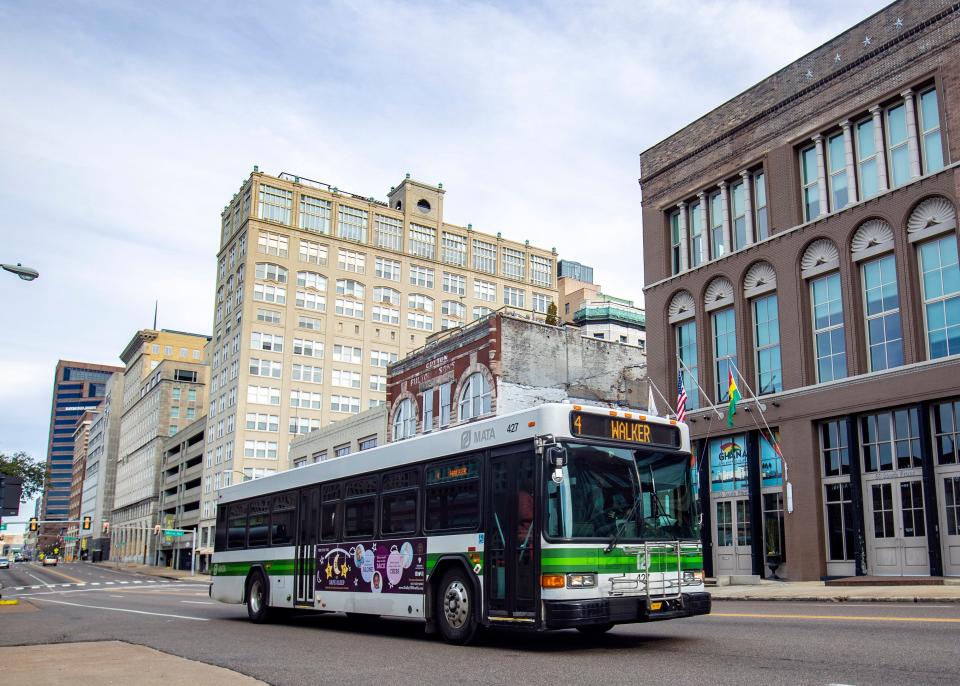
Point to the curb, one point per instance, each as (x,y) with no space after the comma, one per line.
(838,599)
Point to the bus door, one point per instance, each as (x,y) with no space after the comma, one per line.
(306,556)
(512,540)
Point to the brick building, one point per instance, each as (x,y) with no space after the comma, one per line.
(803,237)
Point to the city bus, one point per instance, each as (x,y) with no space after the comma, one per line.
(560,516)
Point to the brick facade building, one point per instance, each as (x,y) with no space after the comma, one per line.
(803,238)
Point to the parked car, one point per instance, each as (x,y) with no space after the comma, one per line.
(18,557)
(50,561)
(4,563)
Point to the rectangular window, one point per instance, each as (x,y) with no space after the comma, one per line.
(454,283)
(897,154)
(738,201)
(767,341)
(541,302)
(882,309)
(840,522)
(867,162)
(445,405)
(761,224)
(389,233)
(308,373)
(830,347)
(271,243)
(385,315)
(454,249)
(351,261)
(349,308)
(484,256)
(514,262)
(541,270)
(312,252)
(696,235)
(268,316)
(175,412)
(314,214)
(345,378)
(275,204)
(890,440)
(378,382)
(946,433)
(302,425)
(237,525)
(262,422)
(341,450)
(306,399)
(717,248)
(809,179)
(352,223)
(343,403)
(283,519)
(387,269)
(484,290)
(452,495)
(359,517)
(833,441)
(837,172)
(263,395)
(307,347)
(675,242)
(311,323)
(423,241)
(421,276)
(269,368)
(687,354)
(940,277)
(264,450)
(367,443)
(382,358)
(269,294)
(515,297)
(479,312)
(266,341)
(932,149)
(724,351)
(424,322)
(426,403)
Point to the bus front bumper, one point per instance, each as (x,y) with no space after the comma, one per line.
(567,614)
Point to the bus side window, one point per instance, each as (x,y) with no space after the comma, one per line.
(398,502)
(258,523)
(220,540)
(360,507)
(236,525)
(283,518)
(330,512)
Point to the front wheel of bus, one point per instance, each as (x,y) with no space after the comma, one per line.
(455,612)
(258,601)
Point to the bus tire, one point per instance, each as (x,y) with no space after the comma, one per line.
(595,629)
(455,613)
(258,598)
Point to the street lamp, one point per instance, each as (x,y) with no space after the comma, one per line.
(25,273)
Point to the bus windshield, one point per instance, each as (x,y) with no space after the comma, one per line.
(640,494)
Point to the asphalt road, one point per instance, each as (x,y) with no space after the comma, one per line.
(741,643)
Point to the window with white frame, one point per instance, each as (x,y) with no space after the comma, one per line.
(675,244)
(386,295)
(426,403)
(418,301)
(352,223)
(898,156)
(270,368)
(454,249)
(388,269)
(514,263)
(761,223)
(404,420)
(310,323)
(480,311)
(314,214)
(940,280)
(264,450)
(309,300)
(475,398)
(303,425)
(367,443)
(541,302)
(830,348)
(930,144)
(349,287)
(697,236)
(385,315)
(421,276)
(453,308)
(810,183)
(307,347)
(738,206)
(766,323)
(515,297)
(868,162)
(423,241)
(269,294)
(311,280)
(382,358)
(345,378)
(882,311)
(447,323)
(541,270)
(349,308)
(307,372)
(351,260)
(484,256)
(251,473)
(306,399)
(347,353)
(454,283)
(715,205)
(266,341)
(270,272)
(423,322)
(275,204)
(686,337)
(259,421)
(724,352)
(344,403)
(389,233)
(263,395)
(444,393)
(837,181)
(378,382)
(271,243)
(484,290)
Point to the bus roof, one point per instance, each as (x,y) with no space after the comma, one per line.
(523,425)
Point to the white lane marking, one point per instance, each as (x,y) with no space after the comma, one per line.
(94,583)
(19,588)
(196,602)
(138,582)
(124,582)
(34,587)
(118,596)
(108,583)
(151,582)
(123,609)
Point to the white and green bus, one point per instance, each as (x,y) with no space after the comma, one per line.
(560,516)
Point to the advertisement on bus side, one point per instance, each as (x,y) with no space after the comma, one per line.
(397,566)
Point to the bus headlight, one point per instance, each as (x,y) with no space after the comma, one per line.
(692,578)
(581,580)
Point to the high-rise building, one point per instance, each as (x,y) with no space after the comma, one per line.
(101,472)
(164,390)
(77,388)
(802,240)
(81,440)
(318,290)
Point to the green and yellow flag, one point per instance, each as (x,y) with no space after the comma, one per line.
(734,393)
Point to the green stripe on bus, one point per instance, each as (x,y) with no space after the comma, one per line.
(273,568)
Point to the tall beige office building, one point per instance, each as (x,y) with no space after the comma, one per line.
(318,290)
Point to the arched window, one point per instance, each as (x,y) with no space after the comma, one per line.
(312,280)
(350,287)
(933,226)
(475,397)
(820,265)
(270,272)
(404,420)
(719,302)
(681,315)
(760,285)
(872,247)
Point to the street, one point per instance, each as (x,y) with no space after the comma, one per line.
(742,642)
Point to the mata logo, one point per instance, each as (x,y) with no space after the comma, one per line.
(730,451)
(478,436)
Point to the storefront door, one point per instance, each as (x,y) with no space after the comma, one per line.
(896,528)
(731,534)
(948,487)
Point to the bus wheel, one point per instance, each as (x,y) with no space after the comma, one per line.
(595,629)
(258,598)
(455,614)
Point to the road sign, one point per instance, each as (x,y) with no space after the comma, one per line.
(3,527)
(70,538)
(173,532)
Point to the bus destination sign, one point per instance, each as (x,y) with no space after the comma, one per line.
(624,430)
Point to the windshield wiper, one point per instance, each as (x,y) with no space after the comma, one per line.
(627,518)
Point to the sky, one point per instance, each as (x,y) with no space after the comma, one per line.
(125,127)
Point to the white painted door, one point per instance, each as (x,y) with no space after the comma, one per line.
(948,485)
(896,528)
(731,535)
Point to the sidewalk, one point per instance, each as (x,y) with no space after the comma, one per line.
(817,591)
(161,572)
(110,662)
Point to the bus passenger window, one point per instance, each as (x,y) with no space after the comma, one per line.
(237,525)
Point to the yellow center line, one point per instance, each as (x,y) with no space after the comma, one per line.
(855,618)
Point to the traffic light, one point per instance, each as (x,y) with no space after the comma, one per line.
(86,523)
(34,525)
(156,530)
(106,528)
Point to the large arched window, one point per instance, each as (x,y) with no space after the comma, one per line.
(270,272)
(933,227)
(820,266)
(872,248)
(681,316)
(718,301)
(404,420)
(475,397)
(760,286)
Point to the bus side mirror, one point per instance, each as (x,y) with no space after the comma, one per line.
(557,456)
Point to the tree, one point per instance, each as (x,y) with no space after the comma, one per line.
(551,318)
(22,465)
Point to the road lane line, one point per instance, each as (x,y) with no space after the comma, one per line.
(855,618)
(94,583)
(122,609)
(108,583)
(197,602)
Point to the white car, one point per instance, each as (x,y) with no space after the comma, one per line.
(4,563)
(50,561)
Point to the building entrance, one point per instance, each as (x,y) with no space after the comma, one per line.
(948,492)
(734,554)
(896,527)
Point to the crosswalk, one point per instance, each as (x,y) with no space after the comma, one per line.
(90,583)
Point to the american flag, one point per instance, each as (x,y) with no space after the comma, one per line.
(681,398)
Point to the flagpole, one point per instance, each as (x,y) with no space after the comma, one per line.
(699,387)
(666,402)
(756,400)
